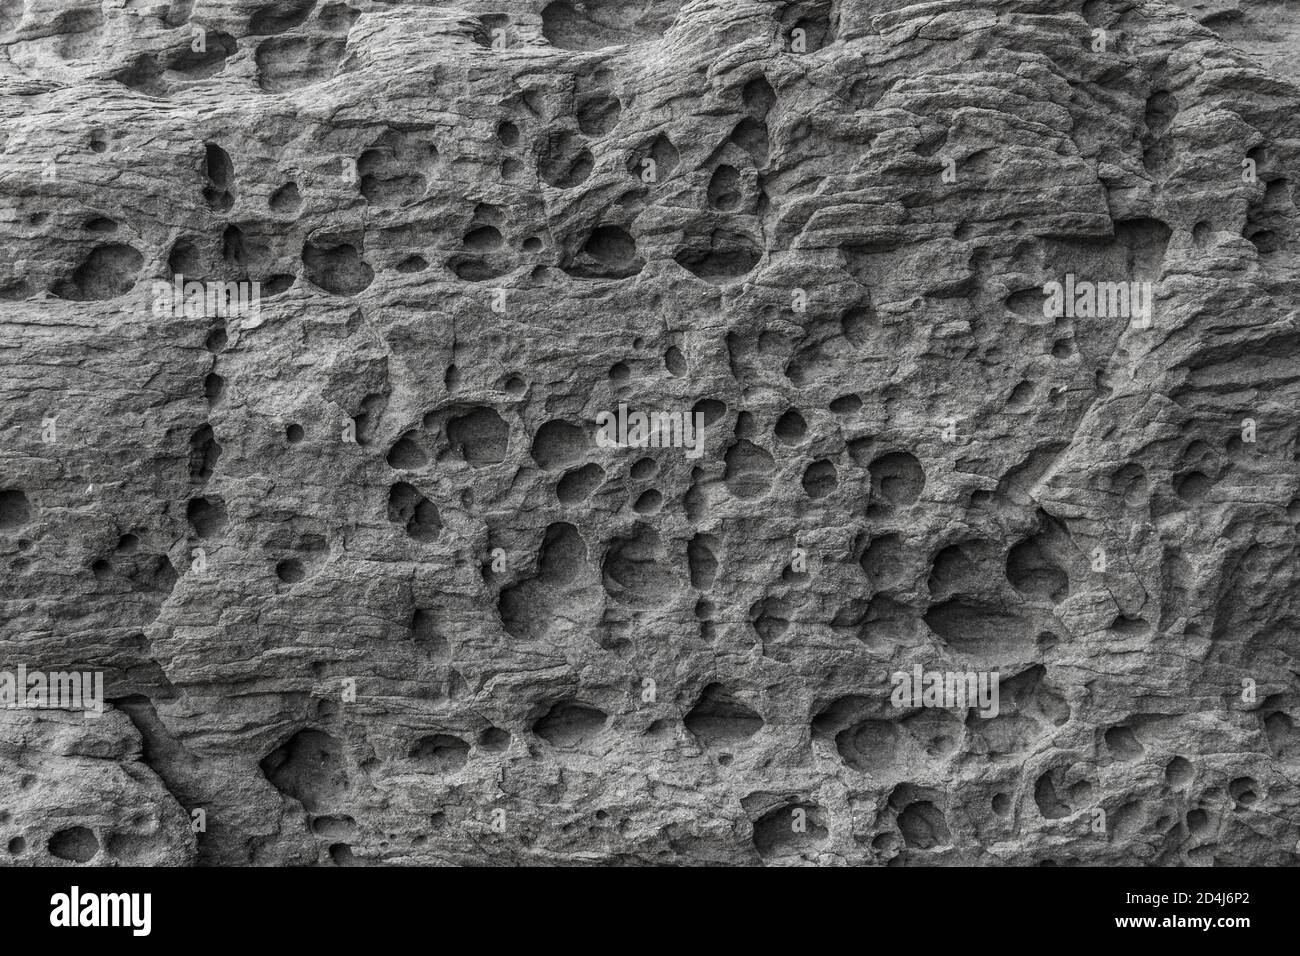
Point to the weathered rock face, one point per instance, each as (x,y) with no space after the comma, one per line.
(365,586)
(1267,30)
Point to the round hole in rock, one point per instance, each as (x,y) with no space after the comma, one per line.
(1242,792)
(206,516)
(1020,396)
(334,827)
(277,284)
(619,372)
(507,133)
(214,386)
(570,724)
(897,478)
(510,168)
(336,265)
(560,443)
(675,361)
(745,427)
(216,340)
(515,385)
(710,408)
(286,199)
(407,453)
(341,855)
(293,434)
(645,468)
(480,437)
(611,244)
(724,188)
(791,427)
(650,502)
(128,544)
(579,484)
(1192,486)
(415,513)
(885,843)
(564,159)
(846,405)
(1032,571)
(107,272)
(820,479)
(17,846)
(77,844)
(702,559)
(442,753)
(1178,772)
(101,569)
(290,571)
(532,244)
(483,238)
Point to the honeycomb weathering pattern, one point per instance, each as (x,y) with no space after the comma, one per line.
(364,587)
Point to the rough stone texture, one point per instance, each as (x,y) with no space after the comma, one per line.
(1267,29)
(76,791)
(384,173)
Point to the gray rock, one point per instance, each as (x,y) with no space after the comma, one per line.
(365,588)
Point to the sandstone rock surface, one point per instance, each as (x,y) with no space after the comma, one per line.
(364,587)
